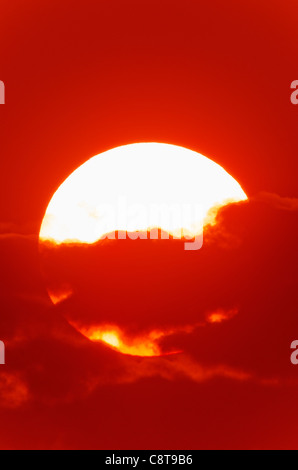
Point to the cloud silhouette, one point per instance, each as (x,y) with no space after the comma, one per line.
(279,202)
(231,309)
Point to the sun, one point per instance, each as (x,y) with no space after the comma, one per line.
(136,191)
(135,188)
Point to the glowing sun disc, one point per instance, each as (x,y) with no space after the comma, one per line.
(135,178)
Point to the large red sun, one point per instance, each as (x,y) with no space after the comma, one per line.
(132,192)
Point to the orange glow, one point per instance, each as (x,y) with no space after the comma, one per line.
(144,346)
(221,315)
(113,337)
(58,297)
(109,338)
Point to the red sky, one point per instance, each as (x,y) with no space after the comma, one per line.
(211,76)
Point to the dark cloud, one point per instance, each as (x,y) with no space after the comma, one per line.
(13,391)
(231,308)
(279,202)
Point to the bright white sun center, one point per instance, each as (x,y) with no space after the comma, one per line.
(138,187)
